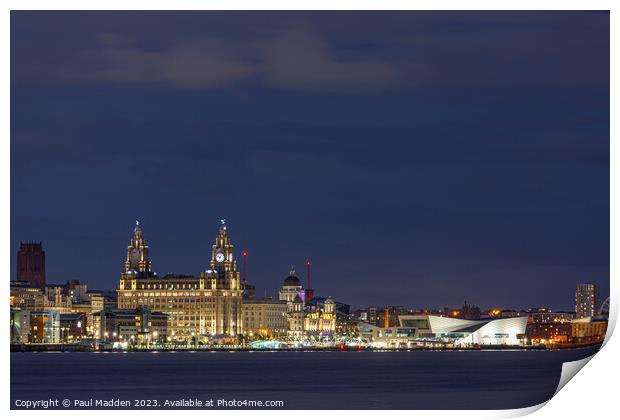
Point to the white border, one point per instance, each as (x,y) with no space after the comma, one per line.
(589,395)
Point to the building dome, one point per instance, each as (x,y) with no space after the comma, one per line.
(292,279)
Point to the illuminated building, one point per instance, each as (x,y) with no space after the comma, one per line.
(26,297)
(196,306)
(588,330)
(547,333)
(551,317)
(72,327)
(265,317)
(586,298)
(44,327)
(429,330)
(389,314)
(293,293)
(31,264)
(316,317)
(20,326)
(55,299)
(295,317)
(321,320)
(77,291)
(372,315)
(292,289)
(134,326)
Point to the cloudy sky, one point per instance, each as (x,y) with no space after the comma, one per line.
(418,158)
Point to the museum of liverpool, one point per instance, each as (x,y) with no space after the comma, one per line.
(431,330)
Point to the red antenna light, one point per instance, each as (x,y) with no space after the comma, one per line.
(308,267)
(244,254)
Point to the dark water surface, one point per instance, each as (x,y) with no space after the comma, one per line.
(302,380)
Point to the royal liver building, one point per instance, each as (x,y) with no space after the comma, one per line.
(196,306)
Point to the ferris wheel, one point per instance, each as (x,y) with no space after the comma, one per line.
(604,307)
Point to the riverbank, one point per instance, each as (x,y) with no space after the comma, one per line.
(30,348)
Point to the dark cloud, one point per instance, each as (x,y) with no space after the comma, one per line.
(296,58)
(444,156)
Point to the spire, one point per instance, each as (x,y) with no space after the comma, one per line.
(292,271)
(137,253)
(223,224)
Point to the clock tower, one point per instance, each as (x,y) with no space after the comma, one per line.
(137,261)
(223,272)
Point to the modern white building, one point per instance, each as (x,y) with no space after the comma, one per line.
(429,330)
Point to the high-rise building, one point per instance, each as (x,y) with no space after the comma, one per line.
(197,306)
(372,315)
(31,264)
(586,299)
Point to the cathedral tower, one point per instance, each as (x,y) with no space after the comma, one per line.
(31,264)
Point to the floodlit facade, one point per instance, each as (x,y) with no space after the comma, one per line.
(265,317)
(588,329)
(302,319)
(424,330)
(196,306)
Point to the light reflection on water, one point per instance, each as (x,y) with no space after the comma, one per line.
(405,380)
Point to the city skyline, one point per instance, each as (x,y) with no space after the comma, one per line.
(242,254)
(422,163)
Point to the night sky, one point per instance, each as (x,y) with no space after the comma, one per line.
(418,158)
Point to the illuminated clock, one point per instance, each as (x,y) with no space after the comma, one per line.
(219,257)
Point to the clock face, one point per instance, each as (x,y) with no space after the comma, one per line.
(219,257)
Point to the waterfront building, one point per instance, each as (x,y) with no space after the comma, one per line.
(44,327)
(292,289)
(586,299)
(588,330)
(431,330)
(295,317)
(20,326)
(31,264)
(266,318)
(196,306)
(321,320)
(73,327)
(32,326)
(547,333)
(134,326)
(316,316)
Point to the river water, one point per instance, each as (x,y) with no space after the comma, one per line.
(301,380)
